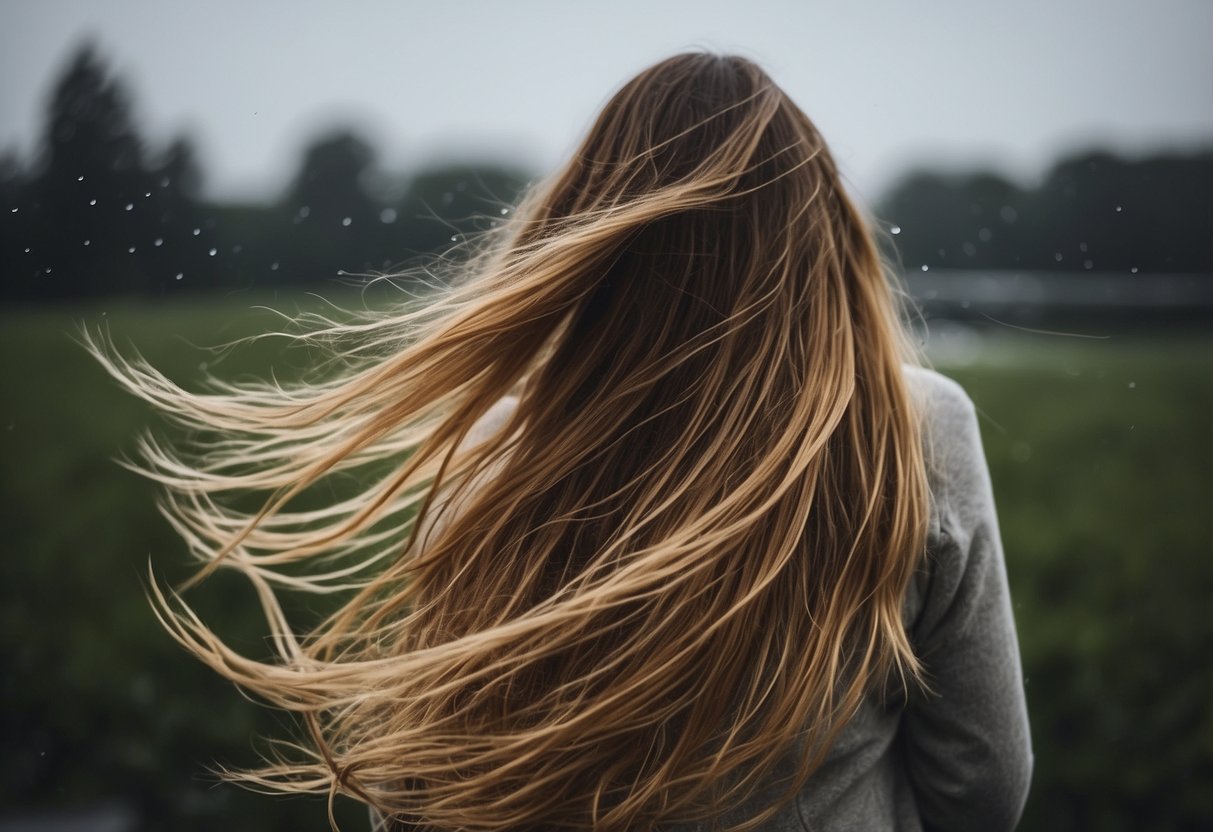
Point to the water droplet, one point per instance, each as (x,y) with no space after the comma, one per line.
(213,252)
(1082,246)
(1132,385)
(92,202)
(969,248)
(896,229)
(27,249)
(985,235)
(146,195)
(925,267)
(130,250)
(1088,264)
(88,242)
(1119,208)
(387,215)
(1057,256)
(197,231)
(14,211)
(159,241)
(79,178)
(48,269)
(1133,270)
(180,275)
(346,221)
(130,206)
(504,211)
(236,249)
(1008,214)
(164,182)
(448,198)
(304,211)
(454,237)
(274,266)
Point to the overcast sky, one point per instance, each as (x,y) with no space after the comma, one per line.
(889,82)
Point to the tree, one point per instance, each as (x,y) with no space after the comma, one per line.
(85,205)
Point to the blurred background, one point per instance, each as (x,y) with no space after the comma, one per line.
(1042,171)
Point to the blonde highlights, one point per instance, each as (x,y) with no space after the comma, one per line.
(679,554)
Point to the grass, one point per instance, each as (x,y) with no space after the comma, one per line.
(1100,449)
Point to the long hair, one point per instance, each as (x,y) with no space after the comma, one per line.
(679,554)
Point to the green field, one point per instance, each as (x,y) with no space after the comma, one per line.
(1101,452)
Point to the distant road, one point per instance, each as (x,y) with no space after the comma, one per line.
(1026,296)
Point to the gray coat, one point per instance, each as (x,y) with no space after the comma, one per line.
(959,758)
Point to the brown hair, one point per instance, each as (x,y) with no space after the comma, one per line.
(682,554)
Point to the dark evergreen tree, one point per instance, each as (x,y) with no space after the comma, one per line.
(87,200)
(328,218)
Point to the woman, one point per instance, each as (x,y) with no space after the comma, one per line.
(655,523)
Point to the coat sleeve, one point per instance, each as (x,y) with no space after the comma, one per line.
(966,740)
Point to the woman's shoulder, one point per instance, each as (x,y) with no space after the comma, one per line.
(942,401)
(951,436)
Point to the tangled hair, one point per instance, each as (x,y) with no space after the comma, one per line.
(679,554)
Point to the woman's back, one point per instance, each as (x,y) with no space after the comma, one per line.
(955,757)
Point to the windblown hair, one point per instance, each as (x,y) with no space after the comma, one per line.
(678,558)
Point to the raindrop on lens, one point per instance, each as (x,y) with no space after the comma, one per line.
(274,266)
(79,178)
(454,237)
(504,211)
(14,211)
(159,241)
(180,275)
(130,206)
(213,252)
(1132,384)
(197,231)
(1119,209)
(346,221)
(1057,256)
(1087,264)
(92,202)
(1133,270)
(895,229)
(387,215)
(149,193)
(925,267)
(87,242)
(130,250)
(27,249)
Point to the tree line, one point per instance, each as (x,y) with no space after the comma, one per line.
(98,213)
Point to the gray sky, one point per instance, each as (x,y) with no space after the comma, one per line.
(889,82)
